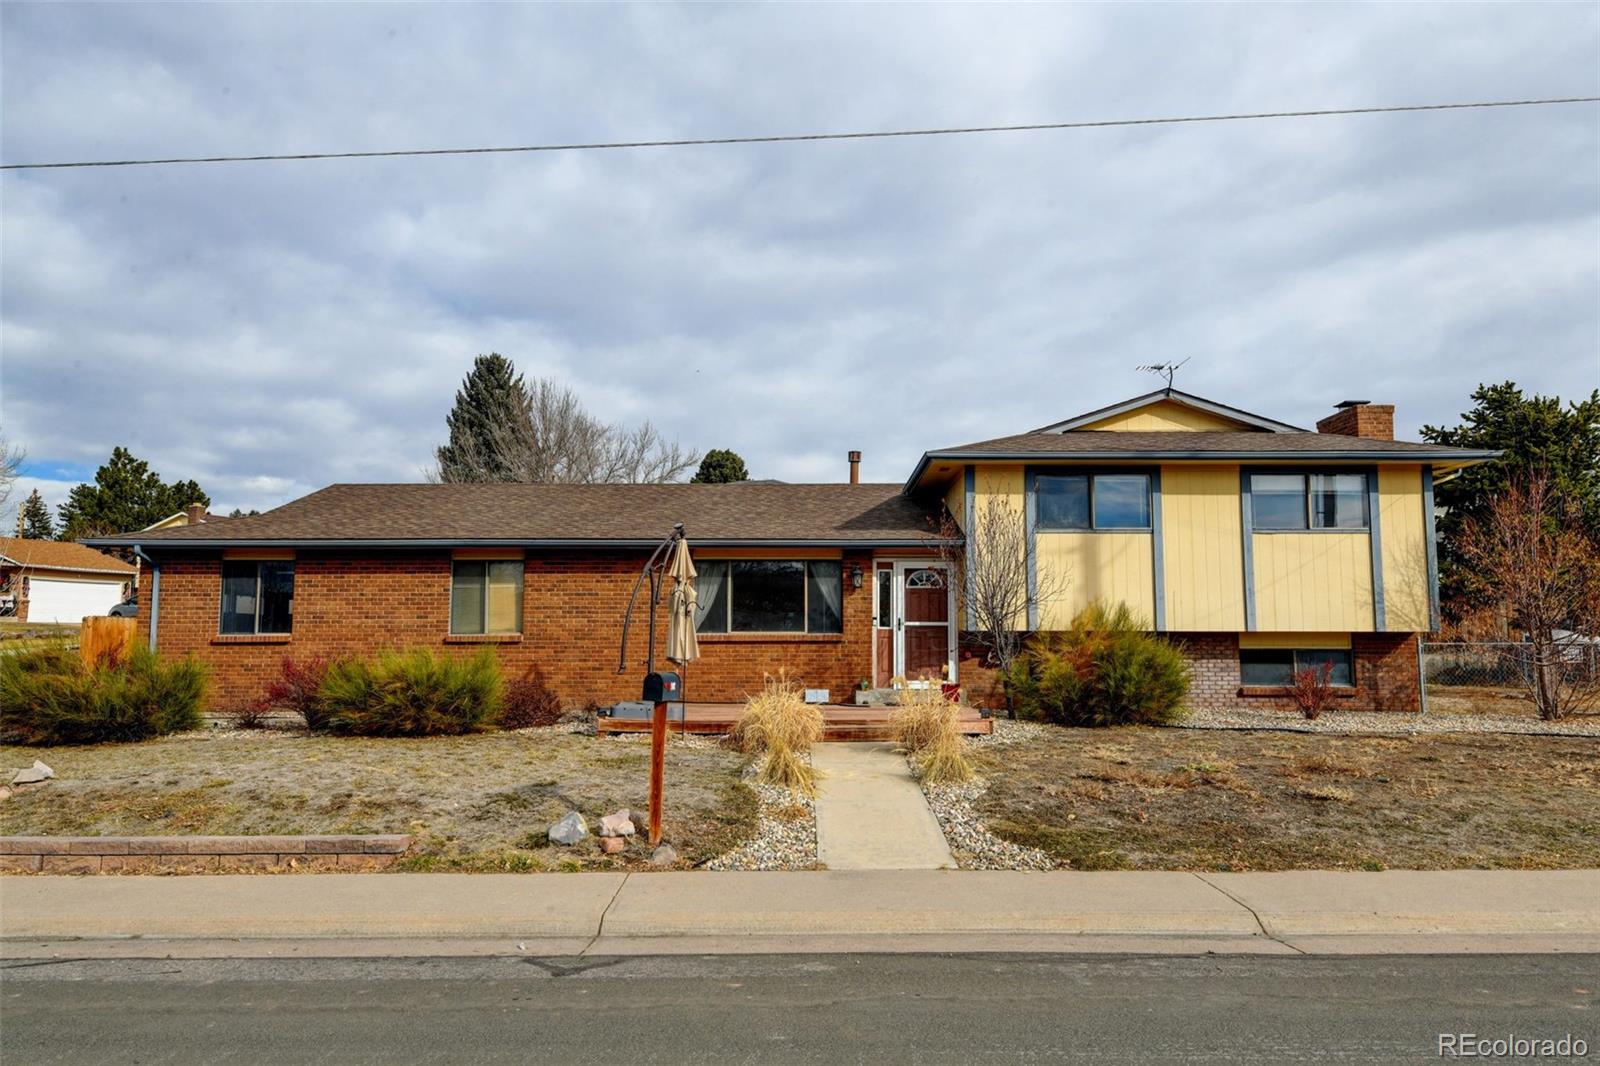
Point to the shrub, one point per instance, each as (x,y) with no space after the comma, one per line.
(47,696)
(779,726)
(1312,690)
(410,694)
(928,725)
(296,690)
(1107,669)
(530,701)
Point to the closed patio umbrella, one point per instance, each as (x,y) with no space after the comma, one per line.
(682,644)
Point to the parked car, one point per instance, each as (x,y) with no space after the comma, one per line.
(128,608)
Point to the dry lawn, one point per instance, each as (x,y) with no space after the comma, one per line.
(479,802)
(1167,799)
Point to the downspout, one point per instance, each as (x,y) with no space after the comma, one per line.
(155,592)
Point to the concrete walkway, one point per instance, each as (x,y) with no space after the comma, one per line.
(871,814)
(327,915)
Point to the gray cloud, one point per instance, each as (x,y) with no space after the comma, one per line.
(270,328)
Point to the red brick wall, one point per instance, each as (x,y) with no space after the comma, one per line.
(1385,664)
(572,623)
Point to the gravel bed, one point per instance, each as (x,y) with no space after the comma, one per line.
(782,841)
(1373,723)
(974,847)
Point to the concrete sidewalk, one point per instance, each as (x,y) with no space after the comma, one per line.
(824,911)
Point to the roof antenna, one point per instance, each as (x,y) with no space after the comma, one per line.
(1166,370)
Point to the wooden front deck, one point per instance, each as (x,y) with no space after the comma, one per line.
(839,722)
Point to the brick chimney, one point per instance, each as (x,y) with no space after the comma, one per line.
(194,514)
(1358,418)
(855,468)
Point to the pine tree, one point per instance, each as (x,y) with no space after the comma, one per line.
(36,521)
(719,467)
(1539,436)
(126,496)
(484,416)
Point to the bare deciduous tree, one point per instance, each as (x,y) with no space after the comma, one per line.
(549,438)
(10,468)
(996,595)
(1530,559)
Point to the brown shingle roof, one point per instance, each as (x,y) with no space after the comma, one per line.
(1092,444)
(1165,441)
(573,514)
(60,555)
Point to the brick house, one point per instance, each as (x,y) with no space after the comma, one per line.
(1258,546)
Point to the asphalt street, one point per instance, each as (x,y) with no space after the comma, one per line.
(783,1009)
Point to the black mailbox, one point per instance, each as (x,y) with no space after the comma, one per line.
(662,688)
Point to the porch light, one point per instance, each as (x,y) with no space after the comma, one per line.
(855,576)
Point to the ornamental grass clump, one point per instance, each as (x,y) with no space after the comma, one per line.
(412,693)
(1107,669)
(48,696)
(779,727)
(928,726)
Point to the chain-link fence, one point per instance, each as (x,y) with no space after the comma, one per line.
(1498,677)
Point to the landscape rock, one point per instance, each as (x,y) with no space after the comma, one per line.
(664,855)
(617,825)
(612,845)
(570,830)
(37,772)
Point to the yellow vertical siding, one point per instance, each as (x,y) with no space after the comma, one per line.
(955,501)
(999,479)
(1405,548)
(1095,566)
(1003,481)
(1313,581)
(1166,415)
(1202,548)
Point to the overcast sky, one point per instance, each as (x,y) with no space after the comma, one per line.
(268,328)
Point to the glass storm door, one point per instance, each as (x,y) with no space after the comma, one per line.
(924,643)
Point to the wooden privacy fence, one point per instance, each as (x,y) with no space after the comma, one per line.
(103,637)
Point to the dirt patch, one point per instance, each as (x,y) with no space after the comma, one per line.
(473,803)
(1161,799)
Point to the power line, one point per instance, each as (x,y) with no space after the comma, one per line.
(785,138)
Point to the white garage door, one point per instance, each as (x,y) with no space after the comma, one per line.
(53,599)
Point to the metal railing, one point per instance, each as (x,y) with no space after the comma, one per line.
(1483,676)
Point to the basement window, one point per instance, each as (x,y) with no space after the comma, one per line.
(257,597)
(1276,667)
(485,596)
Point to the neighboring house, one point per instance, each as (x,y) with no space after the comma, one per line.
(58,581)
(1258,546)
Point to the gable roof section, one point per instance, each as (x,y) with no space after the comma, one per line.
(1244,419)
(569,516)
(60,555)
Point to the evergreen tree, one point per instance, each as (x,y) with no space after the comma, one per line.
(719,467)
(36,521)
(482,422)
(126,496)
(1537,434)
